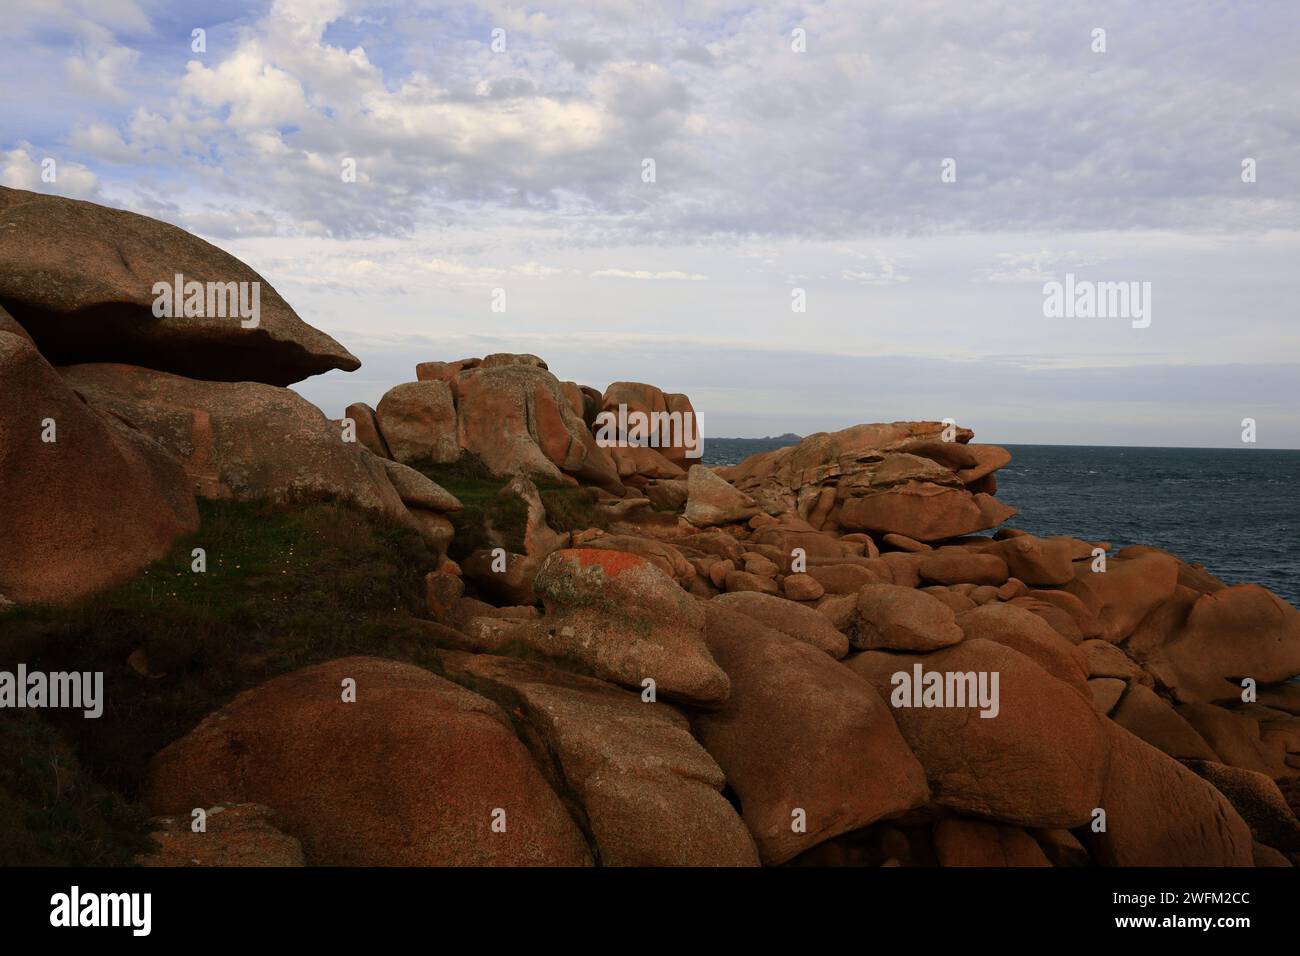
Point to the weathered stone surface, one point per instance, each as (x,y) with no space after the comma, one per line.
(418,490)
(80,278)
(1039,762)
(1236,632)
(515,419)
(1159,813)
(1123,594)
(960,842)
(410,773)
(962,566)
(889,617)
(646,790)
(679,441)
(1147,715)
(1259,801)
(418,421)
(1235,737)
(626,621)
(921,510)
(1039,562)
(1106,692)
(1103,659)
(367,428)
(794,620)
(802,733)
(1027,633)
(802,587)
(218,431)
(842,578)
(240,835)
(711,501)
(661,554)
(87,510)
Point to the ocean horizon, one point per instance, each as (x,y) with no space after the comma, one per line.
(1234,511)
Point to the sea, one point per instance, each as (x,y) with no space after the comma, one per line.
(1236,511)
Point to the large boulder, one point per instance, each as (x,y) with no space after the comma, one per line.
(959,842)
(889,617)
(1039,562)
(242,835)
(1037,761)
(962,566)
(417,771)
(808,747)
(1029,634)
(711,501)
(828,455)
(627,622)
(671,418)
(921,510)
(876,478)
(1128,590)
(1233,633)
(363,420)
(647,792)
(1259,801)
(80,278)
(1236,737)
(88,509)
(1149,716)
(666,557)
(802,623)
(219,432)
(418,421)
(1159,813)
(515,419)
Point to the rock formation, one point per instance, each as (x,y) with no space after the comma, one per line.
(812,657)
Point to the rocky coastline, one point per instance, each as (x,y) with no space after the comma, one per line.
(838,653)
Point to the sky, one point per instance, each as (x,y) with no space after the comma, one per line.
(920,170)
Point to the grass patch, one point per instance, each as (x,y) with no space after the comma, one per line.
(282,589)
(51,811)
(490,519)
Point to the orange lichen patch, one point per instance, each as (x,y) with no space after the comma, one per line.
(612,563)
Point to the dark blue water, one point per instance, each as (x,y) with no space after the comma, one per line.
(1236,511)
(732,451)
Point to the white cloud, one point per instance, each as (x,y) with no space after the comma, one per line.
(21,168)
(98,66)
(645,274)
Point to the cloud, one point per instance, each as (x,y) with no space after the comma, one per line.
(644,274)
(98,66)
(750,138)
(21,168)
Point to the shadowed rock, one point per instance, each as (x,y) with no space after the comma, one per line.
(808,746)
(80,278)
(414,772)
(647,791)
(87,510)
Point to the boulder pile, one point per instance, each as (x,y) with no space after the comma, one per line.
(813,657)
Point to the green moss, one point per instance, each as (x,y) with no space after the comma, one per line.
(282,589)
(51,810)
(570,508)
(490,519)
